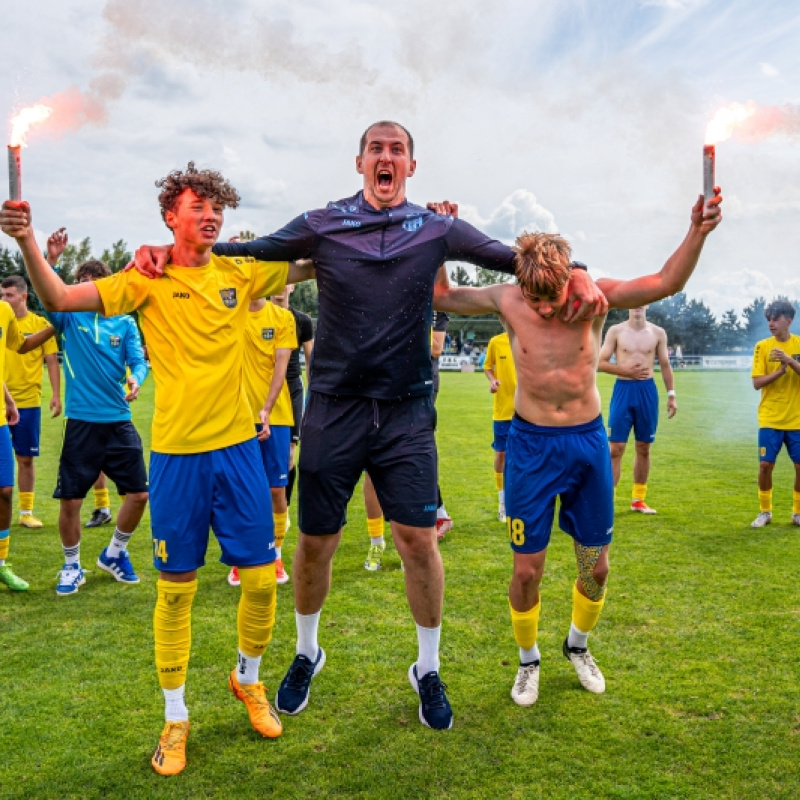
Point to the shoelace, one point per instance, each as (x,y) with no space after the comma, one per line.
(255,691)
(589,663)
(523,675)
(432,692)
(174,736)
(300,673)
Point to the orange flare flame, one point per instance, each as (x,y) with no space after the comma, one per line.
(726,119)
(24,119)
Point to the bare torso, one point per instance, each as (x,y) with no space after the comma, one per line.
(636,347)
(556,364)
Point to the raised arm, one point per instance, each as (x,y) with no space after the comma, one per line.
(55,295)
(678,268)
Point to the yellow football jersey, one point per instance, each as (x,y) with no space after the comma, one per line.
(779,407)
(23,374)
(500,361)
(194,321)
(13,338)
(269,329)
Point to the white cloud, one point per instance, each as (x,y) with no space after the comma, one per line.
(518,212)
(768,70)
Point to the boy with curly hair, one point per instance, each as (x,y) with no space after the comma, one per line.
(205,468)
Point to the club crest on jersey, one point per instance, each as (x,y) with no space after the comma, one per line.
(412,224)
(115,341)
(228,297)
(268,333)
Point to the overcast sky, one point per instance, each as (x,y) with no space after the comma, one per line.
(582,117)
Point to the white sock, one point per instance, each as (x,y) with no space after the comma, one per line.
(377,540)
(174,707)
(105,509)
(530,655)
(576,638)
(441,512)
(247,670)
(72,554)
(428,644)
(307,627)
(25,513)
(119,542)
(278,552)
(501,495)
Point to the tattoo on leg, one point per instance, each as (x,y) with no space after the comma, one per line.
(587,558)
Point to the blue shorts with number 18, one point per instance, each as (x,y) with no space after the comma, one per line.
(572,463)
(225,490)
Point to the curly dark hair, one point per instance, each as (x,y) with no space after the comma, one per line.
(206,183)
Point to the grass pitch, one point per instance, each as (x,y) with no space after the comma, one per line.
(697,642)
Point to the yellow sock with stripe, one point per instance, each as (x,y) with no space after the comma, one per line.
(255,618)
(375,529)
(5,543)
(639,491)
(279,521)
(498,481)
(102,498)
(795,502)
(526,631)
(172,629)
(26,502)
(585,613)
(765,500)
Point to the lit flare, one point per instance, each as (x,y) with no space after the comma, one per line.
(24,119)
(726,119)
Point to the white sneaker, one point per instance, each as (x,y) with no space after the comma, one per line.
(501,511)
(525,691)
(588,672)
(796,519)
(764,518)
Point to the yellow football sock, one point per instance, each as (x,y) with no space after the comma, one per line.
(498,481)
(279,521)
(525,625)
(375,527)
(639,491)
(256,616)
(26,502)
(765,500)
(795,502)
(585,612)
(5,543)
(172,630)
(101,498)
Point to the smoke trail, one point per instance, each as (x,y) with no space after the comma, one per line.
(751,122)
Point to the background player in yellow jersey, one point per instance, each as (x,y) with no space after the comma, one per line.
(776,372)
(11,338)
(23,378)
(205,466)
(499,369)
(636,343)
(270,339)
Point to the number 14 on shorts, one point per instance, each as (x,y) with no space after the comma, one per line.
(160,550)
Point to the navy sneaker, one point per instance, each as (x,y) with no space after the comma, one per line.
(99,517)
(120,567)
(434,707)
(292,695)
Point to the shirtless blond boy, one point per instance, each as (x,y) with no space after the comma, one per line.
(634,404)
(557,445)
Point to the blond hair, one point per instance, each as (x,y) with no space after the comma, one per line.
(542,264)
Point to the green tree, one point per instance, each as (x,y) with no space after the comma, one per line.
(460,276)
(117,257)
(755,324)
(305,297)
(73,256)
(730,334)
(489,277)
(700,327)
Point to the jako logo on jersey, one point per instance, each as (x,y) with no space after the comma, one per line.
(268,333)
(351,223)
(413,224)
(115,341)
(180,295)
(228,297)
(430,507)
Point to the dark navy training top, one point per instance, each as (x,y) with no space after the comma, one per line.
(375,274)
